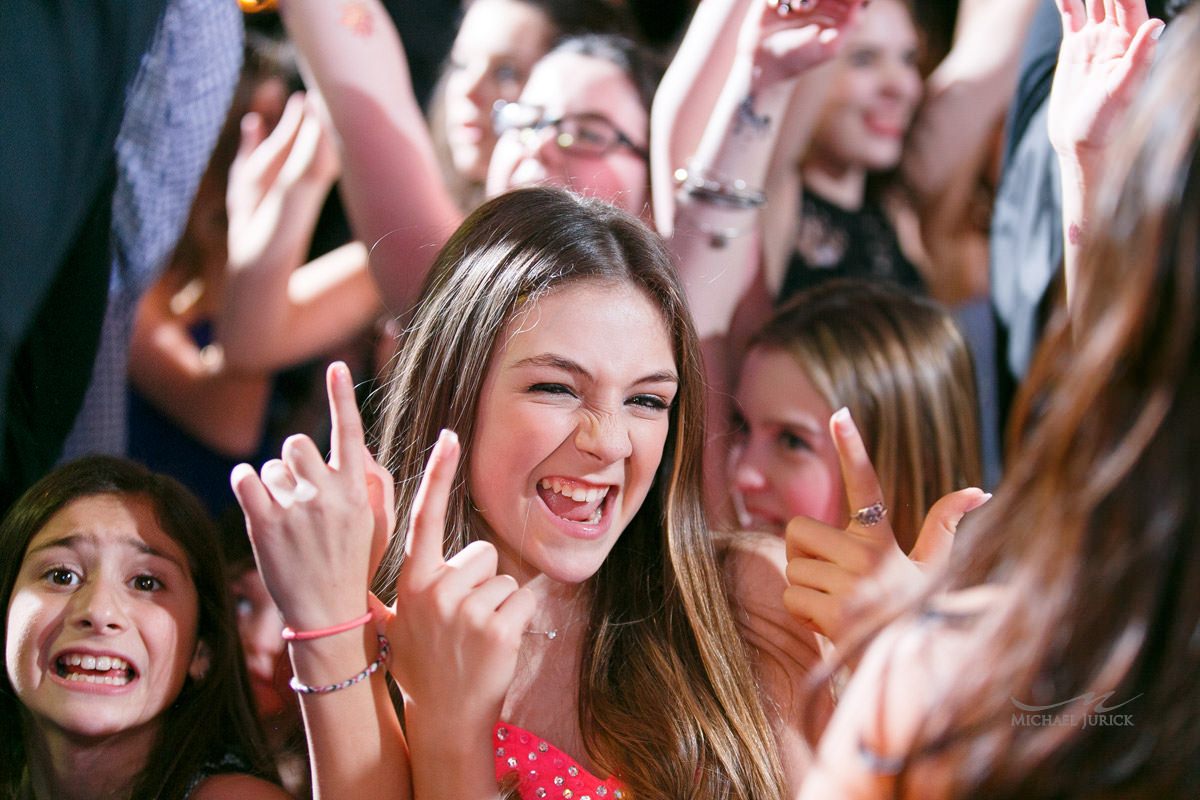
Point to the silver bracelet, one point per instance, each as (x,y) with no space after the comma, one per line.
(701,184)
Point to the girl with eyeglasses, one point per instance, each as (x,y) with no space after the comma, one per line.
(598,86)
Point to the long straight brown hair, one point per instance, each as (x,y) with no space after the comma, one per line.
(668,701)
(1095,534)
(901,366)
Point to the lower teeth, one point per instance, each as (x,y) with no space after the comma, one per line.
(596,515)
(107,680)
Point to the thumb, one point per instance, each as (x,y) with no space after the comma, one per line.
(933,545)
(383,614)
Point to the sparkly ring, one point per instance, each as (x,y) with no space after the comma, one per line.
(869,516)
(784,8)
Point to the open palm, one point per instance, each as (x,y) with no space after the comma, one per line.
(1106,50)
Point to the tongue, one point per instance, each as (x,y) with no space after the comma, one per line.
(567,508)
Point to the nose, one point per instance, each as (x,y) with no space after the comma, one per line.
(98,606)
(604,436)
(262,640)
(902,81)
(748,476)
(475,87)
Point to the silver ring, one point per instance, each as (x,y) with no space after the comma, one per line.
(869,516)
(784,8)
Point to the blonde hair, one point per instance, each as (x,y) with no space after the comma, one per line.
(667,696)
(901,366)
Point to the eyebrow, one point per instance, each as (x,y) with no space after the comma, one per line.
(796,424)
(73,540)
(575,368)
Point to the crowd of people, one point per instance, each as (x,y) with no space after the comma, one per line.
(658,452)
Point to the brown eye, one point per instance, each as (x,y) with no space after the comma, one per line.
(61,576)
(146,583)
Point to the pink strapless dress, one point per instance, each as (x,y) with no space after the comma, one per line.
(544,770)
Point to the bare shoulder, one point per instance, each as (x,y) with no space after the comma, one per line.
(786,655)
(238,786)
(755,567)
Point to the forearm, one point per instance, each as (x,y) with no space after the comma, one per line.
(687,95)
(356,746)
(254,304)
(1080,173)
(452,759)
(225,411)
(393,190)
(716,240)
(968,93)
(321,304)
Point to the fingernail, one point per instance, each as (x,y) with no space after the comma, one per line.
(987,496)
(1157,32)
(843,421)
(447,437)
(341,372)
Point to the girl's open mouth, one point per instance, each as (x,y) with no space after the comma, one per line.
(86,668)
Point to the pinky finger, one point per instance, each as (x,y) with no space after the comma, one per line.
(516,612)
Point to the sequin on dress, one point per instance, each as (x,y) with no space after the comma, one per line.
(544,771)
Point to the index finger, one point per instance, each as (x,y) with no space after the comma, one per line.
(346,439)
(424,546)
(858,474)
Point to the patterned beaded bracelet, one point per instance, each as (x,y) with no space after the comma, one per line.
(385,650)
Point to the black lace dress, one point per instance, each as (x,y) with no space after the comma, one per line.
(835,243)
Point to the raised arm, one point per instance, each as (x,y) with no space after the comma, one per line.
(1106,52)
(275,312)
(222,408)
(954,143)
(968,94)
(761,108)
(318,532)
(397,202)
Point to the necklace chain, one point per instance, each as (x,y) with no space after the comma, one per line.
(551,634)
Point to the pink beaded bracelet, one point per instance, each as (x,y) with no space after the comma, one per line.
(290,635)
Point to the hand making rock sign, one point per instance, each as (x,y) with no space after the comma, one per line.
(319,530)
(467,620)
(827,566)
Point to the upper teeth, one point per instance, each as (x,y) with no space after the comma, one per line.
(580,494)
(101,663)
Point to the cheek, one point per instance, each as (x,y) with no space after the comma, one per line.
(618,181)
(815,490)
(21,643)
(172,632)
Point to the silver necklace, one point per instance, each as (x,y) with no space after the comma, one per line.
(551,634)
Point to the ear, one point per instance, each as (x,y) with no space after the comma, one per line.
(201,660)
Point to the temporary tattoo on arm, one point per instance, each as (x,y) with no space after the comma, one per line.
(1074,233)
(356,17)
(748,119)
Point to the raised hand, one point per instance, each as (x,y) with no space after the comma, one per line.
(297,161)
(318,529)
(1106,52)
(788,38)
(457,624)
(827,565)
